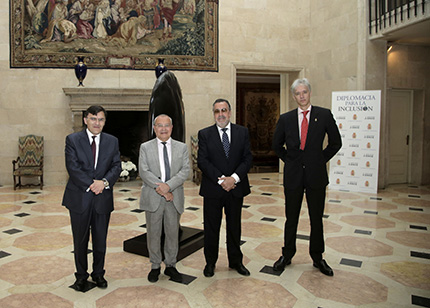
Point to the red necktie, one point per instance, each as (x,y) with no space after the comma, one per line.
(93,148)
(304,130)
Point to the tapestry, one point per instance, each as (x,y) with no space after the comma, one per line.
(258,110)
(114,34)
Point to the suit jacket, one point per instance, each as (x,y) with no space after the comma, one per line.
(213,162)
(80,166)
(149,171)
(307,165)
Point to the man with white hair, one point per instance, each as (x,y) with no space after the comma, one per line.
(163,166)
(298,141)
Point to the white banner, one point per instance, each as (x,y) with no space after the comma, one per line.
(355,166)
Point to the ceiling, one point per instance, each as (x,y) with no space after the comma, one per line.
(414,34)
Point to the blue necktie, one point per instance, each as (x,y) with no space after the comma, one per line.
(225,142)
(166,162)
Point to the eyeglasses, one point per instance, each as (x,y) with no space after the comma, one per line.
(162,125)
(94,119)
(223,110)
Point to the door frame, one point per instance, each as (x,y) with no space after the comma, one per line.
(410,106)
(416,151)
(287,76)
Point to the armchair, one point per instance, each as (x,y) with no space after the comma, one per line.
(197,174)
(29,162)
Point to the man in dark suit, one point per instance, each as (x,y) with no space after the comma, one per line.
(298,141)
(224,157)
(93,163)
(164,165)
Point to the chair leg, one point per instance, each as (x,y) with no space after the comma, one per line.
(14,182)
(41,182)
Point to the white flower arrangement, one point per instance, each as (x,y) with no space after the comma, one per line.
(128,169)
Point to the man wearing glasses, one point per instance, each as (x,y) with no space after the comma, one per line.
(224,157)
(93,164)
(163,166)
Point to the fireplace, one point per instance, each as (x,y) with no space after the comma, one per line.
(131,129)
(127,111)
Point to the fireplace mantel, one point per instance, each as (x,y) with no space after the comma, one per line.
(114,99)
(119,99)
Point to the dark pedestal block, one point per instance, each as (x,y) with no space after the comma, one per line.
(190,241)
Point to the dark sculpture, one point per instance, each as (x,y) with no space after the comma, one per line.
(166,98)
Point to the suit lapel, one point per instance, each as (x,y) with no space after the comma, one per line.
(217,140)
(234,140)
(154,151)
(102,147)
(85,144)
(313,118)
(296,131)
(175,154)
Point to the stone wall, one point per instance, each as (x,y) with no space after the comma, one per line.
(408,67)
(322,40)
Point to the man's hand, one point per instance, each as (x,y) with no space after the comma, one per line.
(228,183)
(162,188)
(97,187)
(168,197)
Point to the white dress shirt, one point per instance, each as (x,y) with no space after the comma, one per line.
(97,140)
(228,132)
(300,115)
(161,156)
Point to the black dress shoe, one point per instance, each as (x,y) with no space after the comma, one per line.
(80,284)
(281,264)
(209,270)
(241,269)
(324,268)
(173,273)
(153,275)
(100,282)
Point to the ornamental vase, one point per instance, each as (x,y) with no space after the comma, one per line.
(80,71)
(160,68)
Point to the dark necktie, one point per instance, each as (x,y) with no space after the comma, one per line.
(166,162)
(93,148)
(304,130)
(225,142)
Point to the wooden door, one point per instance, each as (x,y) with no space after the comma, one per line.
(400,119)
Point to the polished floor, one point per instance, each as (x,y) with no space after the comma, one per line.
(377,244)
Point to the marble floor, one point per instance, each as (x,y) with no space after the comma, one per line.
(377,244)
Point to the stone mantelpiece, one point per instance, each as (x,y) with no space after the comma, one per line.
(119,99)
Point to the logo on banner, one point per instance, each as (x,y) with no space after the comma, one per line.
(357,114)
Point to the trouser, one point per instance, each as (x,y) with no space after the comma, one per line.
(212,215)
(167,217)
(82,224)
(293,201)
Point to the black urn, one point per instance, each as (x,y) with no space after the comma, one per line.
(160,68)
(81,70)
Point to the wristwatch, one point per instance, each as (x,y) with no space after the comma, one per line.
(105,182)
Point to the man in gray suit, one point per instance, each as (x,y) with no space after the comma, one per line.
(164,167)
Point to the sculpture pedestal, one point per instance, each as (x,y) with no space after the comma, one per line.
(190,241)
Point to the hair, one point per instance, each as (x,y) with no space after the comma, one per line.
(94,110)
(163,115)
(220,100)
(298,82)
